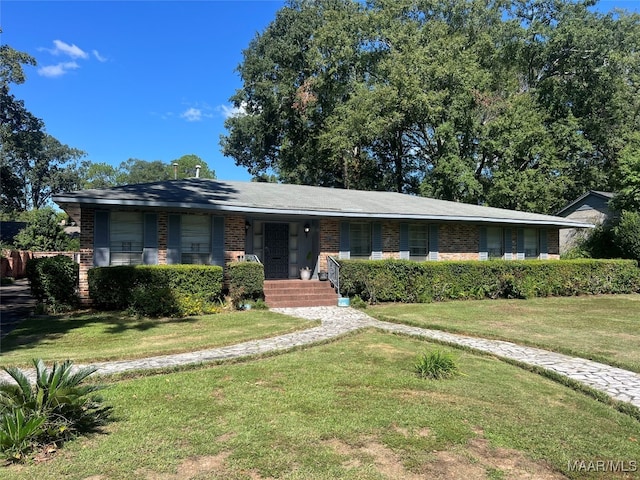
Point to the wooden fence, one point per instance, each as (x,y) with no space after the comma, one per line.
(14,262)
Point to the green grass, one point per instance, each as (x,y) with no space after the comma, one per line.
(87,337)
(352,409)
(602,328)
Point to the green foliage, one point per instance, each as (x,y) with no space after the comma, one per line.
(523,104)
(357,302)
(413,282)
(134,170)
(619,237)
(246,282)
(56,408)
(157,290)
(54,281)
(18,434)
(627,234)
(43,233)
(627,176)
(185,167)
(436,365)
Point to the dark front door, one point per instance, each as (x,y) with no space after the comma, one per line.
(276,250)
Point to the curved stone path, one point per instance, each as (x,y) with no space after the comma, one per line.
(619,384)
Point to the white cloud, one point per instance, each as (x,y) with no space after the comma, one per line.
(99,57)
(231,111)
(192,115)
(73,51)
(57,70)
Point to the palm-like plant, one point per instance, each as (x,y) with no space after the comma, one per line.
(53,409)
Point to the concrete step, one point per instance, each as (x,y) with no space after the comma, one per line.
(299,293)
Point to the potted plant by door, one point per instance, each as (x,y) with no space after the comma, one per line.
(305,273)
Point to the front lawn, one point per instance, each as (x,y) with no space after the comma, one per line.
(91,337)
(352,409)
(603,328)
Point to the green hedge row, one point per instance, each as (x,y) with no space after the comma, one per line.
(157,290)
(406,281)
(54,281)
(246,282)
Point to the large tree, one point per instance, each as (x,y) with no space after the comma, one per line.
(134,170)
(33,164)
(521,104)
(185,167)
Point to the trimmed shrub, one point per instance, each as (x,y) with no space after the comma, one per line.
(414,282)
(157,290)
(246,282)
(54,281)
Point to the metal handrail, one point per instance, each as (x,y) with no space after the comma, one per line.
(333,268)
(249,257)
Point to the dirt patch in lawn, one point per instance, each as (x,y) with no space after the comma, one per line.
(477,460)
(189,468)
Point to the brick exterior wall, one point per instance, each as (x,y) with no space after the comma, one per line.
(458,241)
(553,243)
(234,238)
(391,240)
(163,234)
(86,252)
(329,240)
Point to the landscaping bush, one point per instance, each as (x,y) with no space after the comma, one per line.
(54,409)
(246,282)
(157,290)
(54,281)
(436,365)
(414,282)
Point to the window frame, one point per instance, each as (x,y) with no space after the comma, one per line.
(198,253)
(355,236)
(414,244)
(491,251)
(533,236)
(126,245)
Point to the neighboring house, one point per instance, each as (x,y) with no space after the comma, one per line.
(290,227)
(592,207)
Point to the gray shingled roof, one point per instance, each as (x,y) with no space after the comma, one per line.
(293,200)
(605,195)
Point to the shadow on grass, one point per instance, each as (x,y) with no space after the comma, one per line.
(36,330)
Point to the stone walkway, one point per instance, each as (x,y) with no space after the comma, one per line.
(617,383)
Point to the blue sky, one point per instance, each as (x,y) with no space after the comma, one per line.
(140,79)
(137,79)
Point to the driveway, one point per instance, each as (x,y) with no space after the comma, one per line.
(16,304)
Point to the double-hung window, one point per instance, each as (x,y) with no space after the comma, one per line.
(360,239)
(531,245)
(495,243)
(126,238)
(418,242)
(196,239)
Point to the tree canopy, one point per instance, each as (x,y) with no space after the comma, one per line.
(134,170)
(33,164)
(522,104)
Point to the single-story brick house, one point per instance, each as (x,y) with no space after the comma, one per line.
(592,207)
(290,227)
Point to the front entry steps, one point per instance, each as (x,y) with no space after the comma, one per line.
(299,293)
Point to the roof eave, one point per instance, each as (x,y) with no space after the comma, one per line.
(321,213)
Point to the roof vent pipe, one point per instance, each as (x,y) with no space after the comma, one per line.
(198,167)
